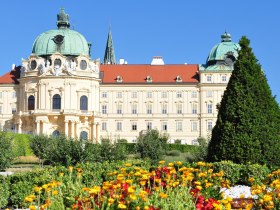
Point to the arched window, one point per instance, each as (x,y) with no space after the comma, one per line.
(55,133)
(31,102)
(84,135)
(83,103)
(56,102)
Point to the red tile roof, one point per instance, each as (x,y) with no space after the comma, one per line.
(11,77)
(131,73)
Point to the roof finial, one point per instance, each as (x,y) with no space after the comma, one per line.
(62,19)
(109,57)
(226,37)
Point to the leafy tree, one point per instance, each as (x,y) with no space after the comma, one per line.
(152,145)
(248,123)
(6,150)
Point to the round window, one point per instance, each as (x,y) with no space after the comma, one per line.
(83,64)
(33,65)
(57,62)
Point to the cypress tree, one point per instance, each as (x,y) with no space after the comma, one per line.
(248,122)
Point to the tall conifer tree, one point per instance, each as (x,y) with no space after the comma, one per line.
(248,123)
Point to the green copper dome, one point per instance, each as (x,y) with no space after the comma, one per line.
(62,40)
(220,51)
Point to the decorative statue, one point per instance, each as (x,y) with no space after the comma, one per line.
(93,67)
(57,70)
(73,65)
(42,68)
(23,69)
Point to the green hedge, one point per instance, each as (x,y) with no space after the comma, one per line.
(22,145)
(4,191)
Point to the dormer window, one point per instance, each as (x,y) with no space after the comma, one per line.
(119,79)
(149,79)
(179,79)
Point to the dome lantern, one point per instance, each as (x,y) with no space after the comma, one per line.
(62,19)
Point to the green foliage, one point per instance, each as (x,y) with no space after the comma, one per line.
(22,145)
(248,122)
(151,145)
(122,140)
(112,152)
(173,153)
(178,141)
(4,191)
(6,151)
(184,148)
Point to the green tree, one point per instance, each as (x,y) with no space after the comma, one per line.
(152,145)
(248,123)
(6,150)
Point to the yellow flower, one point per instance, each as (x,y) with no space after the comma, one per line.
(198,187)
(133,197)
(70,168)
(179,163)
(28,199)
(161,162)
(121,206)
(137,208)
(267,198)
(251,179)
(95,190)
(201,163)
(111,201)
(170,164)
(32,207)
(130,190)
(128,164)
(37,189)
(163,195)
(55,192)
(61,174)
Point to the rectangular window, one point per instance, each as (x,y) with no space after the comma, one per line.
(14,110)
(194,126)
(104,94)
(149,126)
(149,108)
(179,126)
(163,94)
(164,108)
(209,94)
(224,78)
(119,126)
(209,108)
(134,108)
(164,126)
(119,94)
(14,94)
(104,109)
(209,78)
(194,108)
(149,94)
(179,94)
(179,108)
(209,125)
(134,95)
(195,142)
(104,126)
(134,126)
(119,108)
(194,94)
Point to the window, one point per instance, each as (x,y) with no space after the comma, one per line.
(57,63)
(55,133)
(194,94)
(195,142)
(14,94)
(119,94)
(164,109)
(14,110)
(194,126)
(164,126)
(104,126)
(119,79)
(84,135)
(119,108)
(31,102)
(179,108)
(209,108)
(134,126)
(209,125)
(149,108)
(83,103)
(209,78)
(179,126)
(119,126)
(149,126)
(104,109)
(224,78)
(149,79)
(33,65)
(56,102)
(163,94)
(134,95)
(149,94)
(209,94)
(179,94)
(134,108)
(104,95)
(83,64)
(194,108)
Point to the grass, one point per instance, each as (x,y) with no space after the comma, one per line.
(26,160)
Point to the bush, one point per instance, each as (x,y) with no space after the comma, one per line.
(151,145)
(22,145)
(122,141)
(183,148)
(178,141)
(4,191)
(6,151)
(173,153)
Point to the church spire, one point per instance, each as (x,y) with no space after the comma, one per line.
(109,57)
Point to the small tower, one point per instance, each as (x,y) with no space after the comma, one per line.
(109,57)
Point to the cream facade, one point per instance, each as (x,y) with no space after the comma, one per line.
(59,89)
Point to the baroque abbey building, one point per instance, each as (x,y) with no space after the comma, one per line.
(59,89)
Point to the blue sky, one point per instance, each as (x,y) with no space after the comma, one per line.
(179,30)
